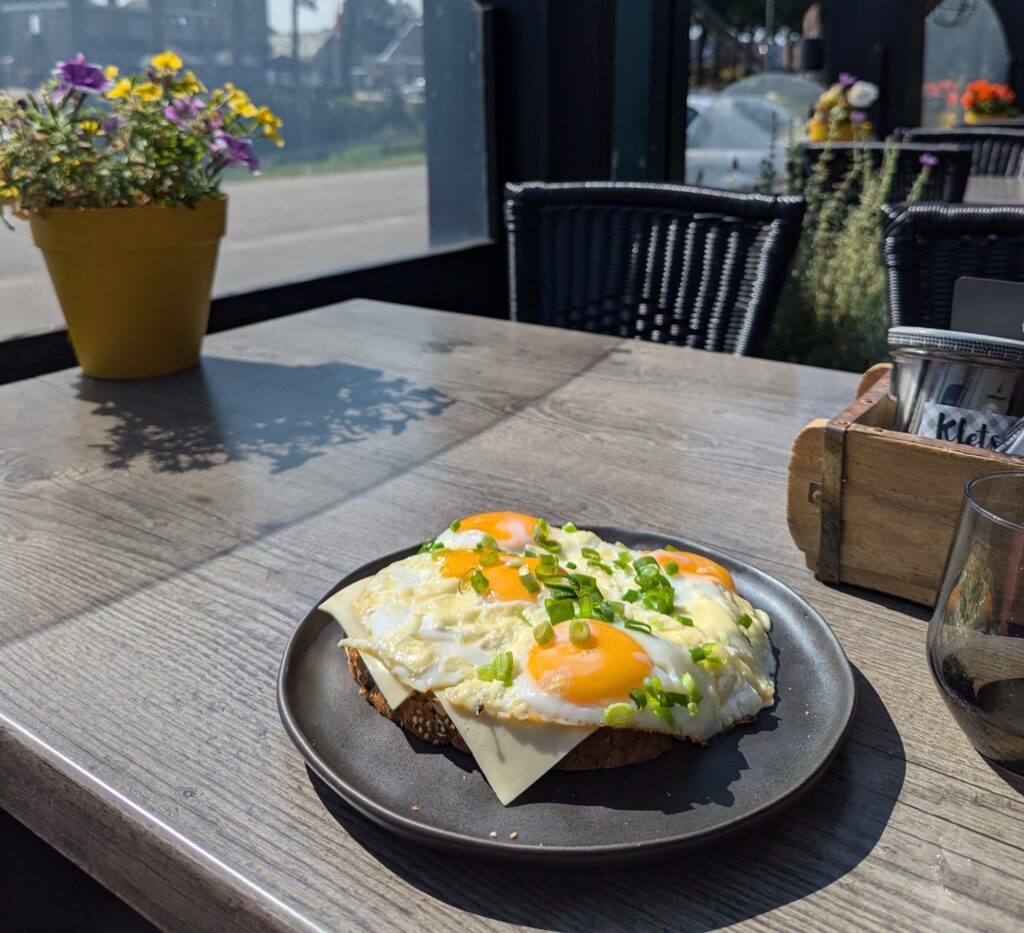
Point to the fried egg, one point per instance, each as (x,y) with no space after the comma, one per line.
(504,614)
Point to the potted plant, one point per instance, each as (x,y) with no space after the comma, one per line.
(119,178)
(984,100)
(840,115)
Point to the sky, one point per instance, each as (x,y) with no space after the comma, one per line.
(279,13)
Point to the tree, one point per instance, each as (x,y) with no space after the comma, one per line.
(749,14)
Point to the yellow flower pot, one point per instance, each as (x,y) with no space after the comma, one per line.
(134,283)
(818,131)
(971,116)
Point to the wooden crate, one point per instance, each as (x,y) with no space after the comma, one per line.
(874,507)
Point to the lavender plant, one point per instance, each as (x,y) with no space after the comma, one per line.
(91,138)
(833,311)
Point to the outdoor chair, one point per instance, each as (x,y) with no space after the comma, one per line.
(927,247)
(993,151)
(947,179)
(680,265)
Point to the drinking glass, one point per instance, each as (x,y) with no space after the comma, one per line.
(976,636)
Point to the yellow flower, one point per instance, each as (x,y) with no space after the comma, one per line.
(8,193)
(166,61)
(55,158)
(187,85)
(270,132)
(239,101)
(89,126)
(147,91)
(122,89)
(111,72)
(264,117)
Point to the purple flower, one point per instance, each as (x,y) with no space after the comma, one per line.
(928,159)
(236,151)
(215,118)
(78,75)
(899,133)
(183,109)
(858,116)
(846,79)
(110,125)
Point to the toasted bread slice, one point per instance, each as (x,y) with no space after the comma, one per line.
(423,716)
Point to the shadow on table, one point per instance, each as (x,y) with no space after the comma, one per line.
(808,847)
(228,410)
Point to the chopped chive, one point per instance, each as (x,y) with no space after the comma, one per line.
(559,610)
(515,563)
(427,546)
(528,553)
(631,596)
(745,620)
(659,600)
(586,606)
(600,566)
(529,582)
(487,542)
(671,547)
(604,611)
(553,546)
(747,640)
(698,654)
(543,633)
(639,697)
(664,713)
(569,528)
(455,525)
(437,546)
(579,632)
(637,626)
(671,568)
(504,668)
(689,686)
(618,715)
(486,672)
(540,531)
(685,620)
(479,582)
(653,685)
(488,557)
(570,565)
(590,553)
(645,561)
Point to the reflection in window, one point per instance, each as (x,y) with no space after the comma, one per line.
(963,40)
(346,76)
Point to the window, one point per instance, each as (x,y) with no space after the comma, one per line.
(348,78)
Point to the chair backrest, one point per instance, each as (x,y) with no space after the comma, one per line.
(927,247)
(674,264)
(947,179)
(994,151)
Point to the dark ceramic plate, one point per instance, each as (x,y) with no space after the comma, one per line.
(689,797)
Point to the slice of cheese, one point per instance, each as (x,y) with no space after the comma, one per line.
(514,755)
(340,607)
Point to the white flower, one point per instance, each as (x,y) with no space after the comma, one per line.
(862,94)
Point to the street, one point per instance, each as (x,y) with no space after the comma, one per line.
(279,229)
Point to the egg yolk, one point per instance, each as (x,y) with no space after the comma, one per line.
(510,528)
(695,565)
(504,583)
(599,672)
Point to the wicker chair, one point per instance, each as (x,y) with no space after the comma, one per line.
(688,266)
(947,180)
(927,247)
(994,151)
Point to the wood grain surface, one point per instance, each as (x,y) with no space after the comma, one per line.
(160,540)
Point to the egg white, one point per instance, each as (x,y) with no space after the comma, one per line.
(434,636)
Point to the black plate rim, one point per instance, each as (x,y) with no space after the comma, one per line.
(586,857)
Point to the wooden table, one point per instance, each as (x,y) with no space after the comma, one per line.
(160,540)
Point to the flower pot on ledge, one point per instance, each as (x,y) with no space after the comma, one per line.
(134,283)
(971,116)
